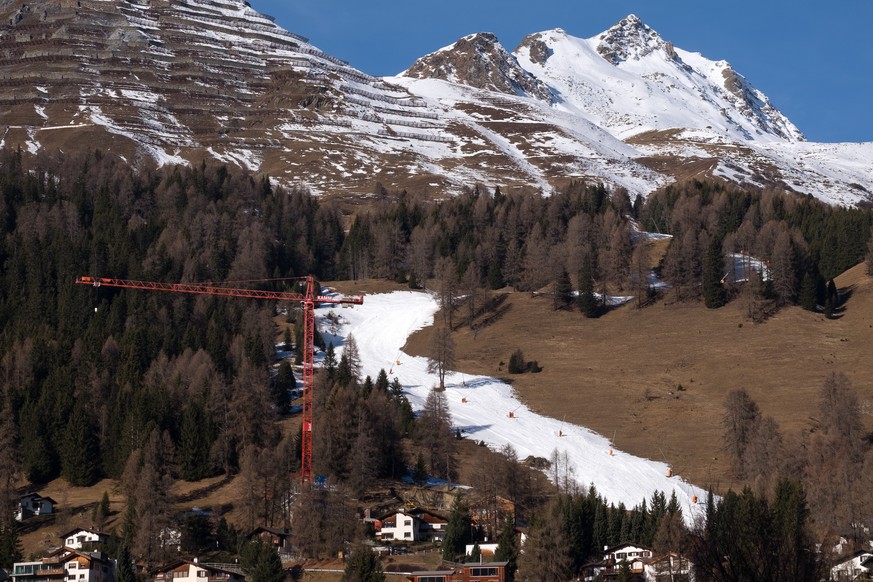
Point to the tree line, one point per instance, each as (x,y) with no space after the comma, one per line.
(150,387)
(803,242)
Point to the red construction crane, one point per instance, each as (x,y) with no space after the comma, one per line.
(309,300)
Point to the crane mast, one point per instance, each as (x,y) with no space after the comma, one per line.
(309,300)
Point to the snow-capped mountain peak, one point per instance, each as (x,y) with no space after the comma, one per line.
(631,81)
(183,80)
(629,39)
(480,61)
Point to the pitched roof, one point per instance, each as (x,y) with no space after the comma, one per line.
(91,530)
(273,530)
(428,517)
(210,567)
(625,545)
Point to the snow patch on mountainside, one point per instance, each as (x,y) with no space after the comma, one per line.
(629,81)
(480,406)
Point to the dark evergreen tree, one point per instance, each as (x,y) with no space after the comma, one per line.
(382,381)
(10,544)
(261,562)
(101,511)
(507,548)
(475,554)
(517,363)
(624,572)
(363,566)
(282,385)
(329,365)
(714,293)
(125,568)
(419,472)
(563,293)
(81,450)
(746,538)
(458,531)
(588,304)
(226,537)
(808,297)
(195,444)
(197,534)
(38,456)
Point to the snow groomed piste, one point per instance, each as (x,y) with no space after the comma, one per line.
(481,405)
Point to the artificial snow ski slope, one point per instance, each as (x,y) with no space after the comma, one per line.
(480,405)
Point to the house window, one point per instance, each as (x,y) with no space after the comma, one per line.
(180,574)
(387,536)
(73,565)
(407,522)
(407,534)
(81,576)
(483,572)
(201,574)
(70,541)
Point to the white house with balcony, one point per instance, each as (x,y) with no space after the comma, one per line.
(34,504)
(84,538)
(194,571)
(411,526)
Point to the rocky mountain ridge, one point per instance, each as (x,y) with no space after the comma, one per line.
(184,80)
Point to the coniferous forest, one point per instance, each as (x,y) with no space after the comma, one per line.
(147,388)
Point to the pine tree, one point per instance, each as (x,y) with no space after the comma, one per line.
(101,511)
(457,531)
(195,443)
(226,536)
(125,570)
(808,298)
(261,563)
(869,258)
(282,385)
(714,294)
(80,460)
(563,291)
(587,300)
(624,572)
(363,566)
(475,554)
(547,552)
(10,544)
(330,366)
(507,548)
(382,381)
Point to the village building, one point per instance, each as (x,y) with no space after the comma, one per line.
(609,566)
(643,564)
(484,572)
(858,565)
(194,571)
(279,539)
(486,550)
(34,504)
(66,565)
(411,526)
(669,567)
(84,538)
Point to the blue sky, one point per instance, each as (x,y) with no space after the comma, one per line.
(814,60)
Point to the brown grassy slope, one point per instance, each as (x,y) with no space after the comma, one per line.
(620,374)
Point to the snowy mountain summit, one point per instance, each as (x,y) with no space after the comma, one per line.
(631,39)
(630,80)
(479,60)
(183,80)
